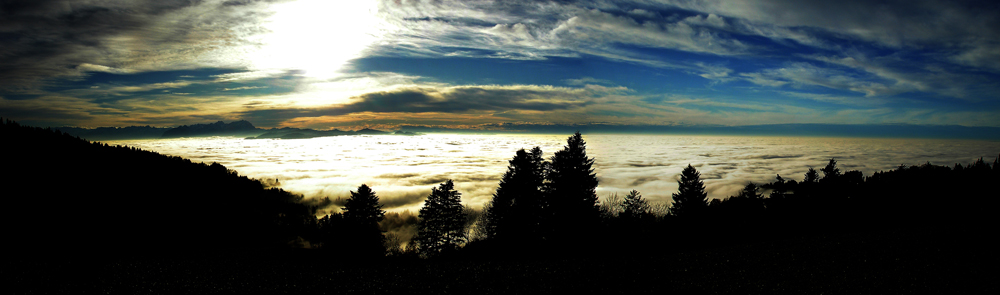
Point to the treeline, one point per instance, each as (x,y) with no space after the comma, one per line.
(66,195)
(543,203)
(549,207)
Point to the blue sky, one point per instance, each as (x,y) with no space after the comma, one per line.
(470,64)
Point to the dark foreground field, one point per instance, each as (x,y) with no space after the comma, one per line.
(924,261)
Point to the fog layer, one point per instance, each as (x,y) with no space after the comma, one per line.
(403,169)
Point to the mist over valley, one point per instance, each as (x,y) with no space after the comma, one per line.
(402,169)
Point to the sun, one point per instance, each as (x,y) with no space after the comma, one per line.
(317,37)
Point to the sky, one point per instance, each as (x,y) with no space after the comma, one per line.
(467,64)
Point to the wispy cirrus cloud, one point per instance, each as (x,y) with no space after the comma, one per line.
(66,39)
(805,74)
(308,63)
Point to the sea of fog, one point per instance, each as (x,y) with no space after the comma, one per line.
(403,169)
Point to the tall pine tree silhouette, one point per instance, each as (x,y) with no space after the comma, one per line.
(571,196)
(515,212)
(442,221)
(362,213)
(690,199)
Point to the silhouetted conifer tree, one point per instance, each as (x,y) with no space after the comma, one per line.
(691,198)
(571,189)
(749,201)
(327,230)
(778,188)
(516,208)
(442,221)
(978,166)
(362,213)
(811,176)
(751,191)
(634,207)
(831,172)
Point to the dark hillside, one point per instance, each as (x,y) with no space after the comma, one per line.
(64,195)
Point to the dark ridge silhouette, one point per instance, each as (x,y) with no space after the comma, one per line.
(297,133)
(236,128)
(115,133)
(220,128)
(821,130)
(67,196)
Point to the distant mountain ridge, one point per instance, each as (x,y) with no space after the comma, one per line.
(809,130)
(240,128)
(298,133)
(220,128)
(247,130)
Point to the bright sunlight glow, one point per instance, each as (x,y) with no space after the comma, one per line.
(317,37)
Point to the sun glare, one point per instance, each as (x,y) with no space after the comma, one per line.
(317,37)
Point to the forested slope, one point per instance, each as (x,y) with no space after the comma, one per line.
(63,195)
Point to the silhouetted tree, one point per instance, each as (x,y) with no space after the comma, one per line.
(328,228)
(831,172)
(611,206)
(516,208)
(363,207)
(750,191)
(571,196)
(811,176)
(690,198)
(750,199)
(442,221)
(362,213)
(853,177)
(978,166)
(778,188)
(634,207)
